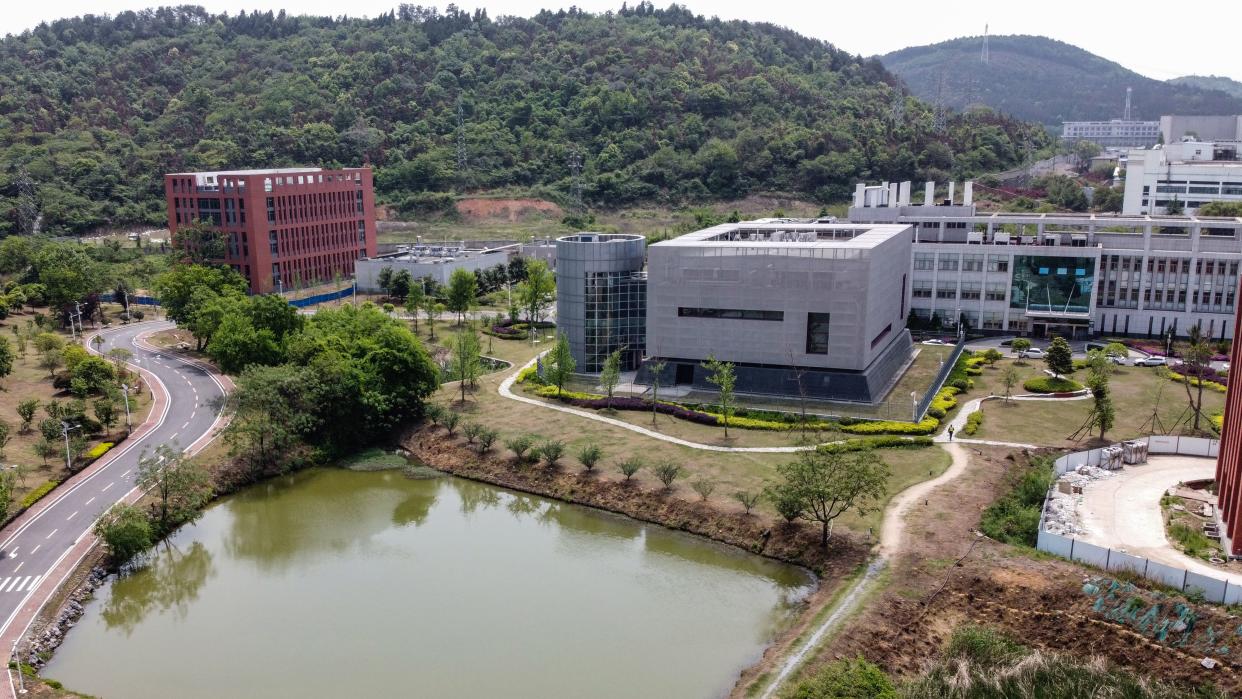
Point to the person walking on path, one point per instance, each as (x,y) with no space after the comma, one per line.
(951,433)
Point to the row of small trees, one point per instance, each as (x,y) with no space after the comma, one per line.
(817,486)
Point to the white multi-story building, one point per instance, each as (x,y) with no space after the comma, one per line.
(1190,173)
(1115,132)
(1075,275)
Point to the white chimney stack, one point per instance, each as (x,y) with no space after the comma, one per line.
(860,190)
(929,194)
(968,193)
(952,192)
(893,194)
(903,198)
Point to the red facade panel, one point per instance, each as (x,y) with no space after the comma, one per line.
(1229,462)
(282,228)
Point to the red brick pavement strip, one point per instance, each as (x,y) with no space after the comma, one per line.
(32,605)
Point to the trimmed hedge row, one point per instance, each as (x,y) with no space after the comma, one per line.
(1219,421)
(945,400)
(883,442)
(972,423)
(37,494)
(927,426)
(99,450)
(1050,384)
(1194,381)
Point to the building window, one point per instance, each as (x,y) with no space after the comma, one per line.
(948,263)
(730,314)
(971,291)
(972,263)
(817,333)
(922,289)
(946,292)
(924,261)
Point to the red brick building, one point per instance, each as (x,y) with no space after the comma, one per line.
(1229,463)
(282,227)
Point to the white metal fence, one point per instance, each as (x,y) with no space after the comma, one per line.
(1212,589)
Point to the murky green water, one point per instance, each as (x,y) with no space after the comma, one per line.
(332,583)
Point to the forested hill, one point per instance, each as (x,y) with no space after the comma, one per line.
(658,105)
(1211,82)
(1044,80)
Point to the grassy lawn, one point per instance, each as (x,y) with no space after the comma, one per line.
(28,380)
(730,472)
(1050,423)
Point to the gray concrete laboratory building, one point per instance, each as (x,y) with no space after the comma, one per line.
(797,306)
(601,297)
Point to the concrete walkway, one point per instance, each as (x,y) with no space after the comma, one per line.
(1123,512)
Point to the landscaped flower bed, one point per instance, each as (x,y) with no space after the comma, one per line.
(1050,384)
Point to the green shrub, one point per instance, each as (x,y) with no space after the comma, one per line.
(1193,542)
(37,494)
(529,374)
(846,679)
(1014,518)
(882,442)
(99,450)
(1049,384)
(927,426)
(1210,385)
(972,423)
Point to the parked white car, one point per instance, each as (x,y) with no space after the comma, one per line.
(1033,353)
(1152,361)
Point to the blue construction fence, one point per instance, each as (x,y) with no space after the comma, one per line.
(296,303)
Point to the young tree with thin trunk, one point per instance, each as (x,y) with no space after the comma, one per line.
(560,366)
(1020,346)
(723,377)
(536,292)
(747,498)
(467,359)
(828,485)
(610,374)
(462,288)
(26,411)
(414,303)
(1196,361)
(656,368)
(1009,379)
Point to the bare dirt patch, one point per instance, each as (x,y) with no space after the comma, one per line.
(948,576)
(512,210)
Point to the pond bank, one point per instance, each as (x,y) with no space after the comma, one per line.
(790,543)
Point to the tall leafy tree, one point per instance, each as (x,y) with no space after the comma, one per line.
(610,373)
(1059,359)
(460,296)
(536,292)
(826,486)
(181,487)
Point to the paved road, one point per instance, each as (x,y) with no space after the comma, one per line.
(38,548)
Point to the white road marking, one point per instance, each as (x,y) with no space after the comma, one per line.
(193,413)
(13,584)
(34,583)
(174,436)
(51,533)
(126,473)
(90,501)
(14,551)
(75,514)
(22,585)
(105,488)
(19,566)
(187,424)
(34,549)
(4,582)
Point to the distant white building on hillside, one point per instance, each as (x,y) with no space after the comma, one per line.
(1113,133)
(1175,128)
(1190,173)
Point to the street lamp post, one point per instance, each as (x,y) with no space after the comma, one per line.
(125,393)
(914,406)
(65,429)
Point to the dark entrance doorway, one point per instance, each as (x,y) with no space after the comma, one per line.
(685,374)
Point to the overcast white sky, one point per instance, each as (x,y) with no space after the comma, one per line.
(1118,31)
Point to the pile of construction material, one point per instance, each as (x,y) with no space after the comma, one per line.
(1061,511)
(1135,452)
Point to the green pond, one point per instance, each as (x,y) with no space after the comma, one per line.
(334,583)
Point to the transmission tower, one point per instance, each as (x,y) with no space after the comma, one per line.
(983,57)
(940,119)
(575,170)
(461,140)
(1129,92)
(897,109)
